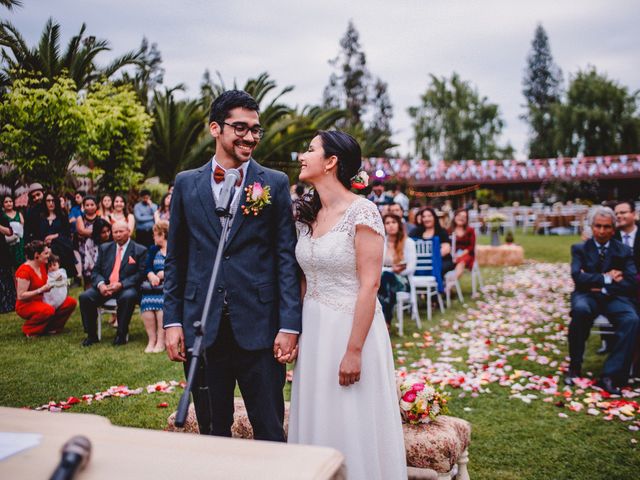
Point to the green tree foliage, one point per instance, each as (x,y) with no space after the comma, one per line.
(455,123)
(43,125)
(352,88)
(348,86)
(117,130)
(541,89)
(46,125)
(599,117)
(47,59)
(179,137)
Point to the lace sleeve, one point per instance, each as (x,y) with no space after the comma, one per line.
(366,213)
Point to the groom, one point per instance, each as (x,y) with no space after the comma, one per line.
(255,316)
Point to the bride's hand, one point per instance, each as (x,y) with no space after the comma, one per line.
(350,368)
(293,355)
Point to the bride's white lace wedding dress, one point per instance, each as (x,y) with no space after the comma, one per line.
(362,420)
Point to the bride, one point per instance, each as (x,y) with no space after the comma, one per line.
(344,391)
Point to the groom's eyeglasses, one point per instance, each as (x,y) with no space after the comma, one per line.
(241,129)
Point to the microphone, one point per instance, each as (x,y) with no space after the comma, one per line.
(231,177)
(75,456)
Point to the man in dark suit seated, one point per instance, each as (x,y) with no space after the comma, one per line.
(627,232)
(604,274)
(118,272)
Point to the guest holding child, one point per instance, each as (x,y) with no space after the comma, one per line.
(31,283)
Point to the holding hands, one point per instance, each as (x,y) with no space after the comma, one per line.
(285,347)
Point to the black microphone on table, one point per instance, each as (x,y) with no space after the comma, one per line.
(231,177)
(75,456)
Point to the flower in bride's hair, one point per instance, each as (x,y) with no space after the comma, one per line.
(360,180)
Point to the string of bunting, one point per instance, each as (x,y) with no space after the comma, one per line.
(448,193)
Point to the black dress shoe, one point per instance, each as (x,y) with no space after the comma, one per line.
(87,342)
(121,340)
(570,375)
(607,384)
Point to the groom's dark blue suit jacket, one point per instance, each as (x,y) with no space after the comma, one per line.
(259,274)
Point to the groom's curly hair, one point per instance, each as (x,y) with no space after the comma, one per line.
(227,101)
(347,149)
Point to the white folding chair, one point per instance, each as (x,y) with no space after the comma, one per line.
(407,301)
(603,326)
(476,278)
(452,282)
(110,307)
(425,284)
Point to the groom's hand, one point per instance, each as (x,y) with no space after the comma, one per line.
(174,341)
(283,346)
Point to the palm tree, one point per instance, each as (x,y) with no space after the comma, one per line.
(287,129)
(9,4)
(178,138)
(46,58)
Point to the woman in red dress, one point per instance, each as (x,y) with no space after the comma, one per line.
(31,282)
(463,240)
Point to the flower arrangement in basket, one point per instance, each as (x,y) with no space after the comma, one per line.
(420,402)
(495,220)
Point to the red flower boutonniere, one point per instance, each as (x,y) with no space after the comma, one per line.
(258,197)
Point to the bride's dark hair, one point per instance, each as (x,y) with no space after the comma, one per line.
(347,149)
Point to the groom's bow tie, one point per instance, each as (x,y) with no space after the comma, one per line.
(218,176)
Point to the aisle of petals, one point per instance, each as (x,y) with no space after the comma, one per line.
(120,391)
(524,317)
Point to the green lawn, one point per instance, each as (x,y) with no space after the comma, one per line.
(510,439)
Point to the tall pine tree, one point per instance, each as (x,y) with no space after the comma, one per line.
(349,85)
(541,89)
(352,88)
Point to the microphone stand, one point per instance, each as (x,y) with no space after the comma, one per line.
(198,346)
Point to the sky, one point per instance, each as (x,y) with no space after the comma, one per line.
(486,42)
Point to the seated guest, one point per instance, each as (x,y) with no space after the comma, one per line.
(627,233)
(399,263)
(84,234)
(415,221)
(627,229)
(604,274)
(164,209)
(428,228)
(463,240)
(152,296)
(396,209)
(31,284)
(378,195)
(118,272)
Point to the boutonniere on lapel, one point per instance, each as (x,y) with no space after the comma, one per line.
(258,197)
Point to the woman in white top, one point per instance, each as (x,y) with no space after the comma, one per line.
(399,263)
